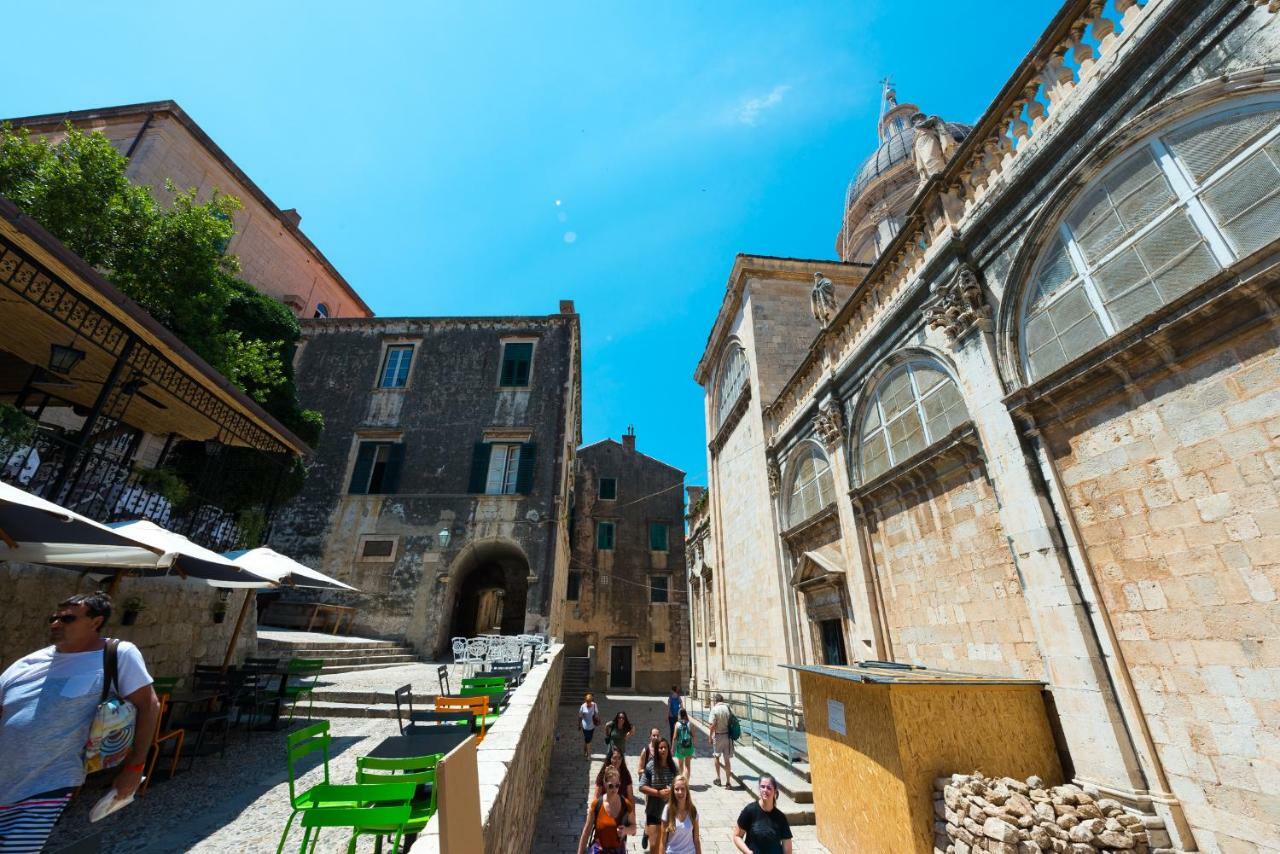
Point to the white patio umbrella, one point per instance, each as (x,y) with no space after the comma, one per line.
(190,559)
(34,530)
(280,569)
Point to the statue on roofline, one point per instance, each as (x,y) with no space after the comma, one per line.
(823,299)
(932,146)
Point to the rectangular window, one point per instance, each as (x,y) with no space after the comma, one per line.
(658,589)
(517,356)
(608,488)
(378,548)
(504,466)
(575,586)
(377,469)
(395,366)
(659,646)
(604,536)
(657,537)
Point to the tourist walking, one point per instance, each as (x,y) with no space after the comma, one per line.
(683,744)
(678,833)
(48,701)
(650,748)
(762,827)
(718,737)
(674,705)
(614,759)
(609,820)
(618,730)
(589,716)
(655,785)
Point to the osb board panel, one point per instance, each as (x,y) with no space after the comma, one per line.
(873,786)
(1000,730)
(459,801)
(858,793)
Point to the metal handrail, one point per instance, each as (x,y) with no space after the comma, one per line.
(769,722)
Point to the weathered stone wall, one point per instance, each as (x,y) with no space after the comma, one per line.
(274,257)
(174,633)
(451,400)
(1175,494)
(951,591)
(614,601)
(977,813)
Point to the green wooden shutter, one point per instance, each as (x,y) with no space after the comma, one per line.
(657,537)
(479,468)
(604,535)
(364,465)
(391,476)
(524,471)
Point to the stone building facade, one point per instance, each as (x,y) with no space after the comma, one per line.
(626,590)
(441,486)
(163,143)
(1040,435)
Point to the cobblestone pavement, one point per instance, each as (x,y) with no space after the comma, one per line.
(570,782)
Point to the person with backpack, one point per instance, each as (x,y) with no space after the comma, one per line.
(674,705)
(609,820)
(684,744)
(49,704)
(719,725)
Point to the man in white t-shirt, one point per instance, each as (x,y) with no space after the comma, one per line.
(589,719)
(47,703)
(721,743)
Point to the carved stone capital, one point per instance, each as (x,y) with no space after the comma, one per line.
(959,306)
(775,477)
(829,423)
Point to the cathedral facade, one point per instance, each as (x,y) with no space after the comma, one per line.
(1029,423)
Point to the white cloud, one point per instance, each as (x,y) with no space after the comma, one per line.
(749,111)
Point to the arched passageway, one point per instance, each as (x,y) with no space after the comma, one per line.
(488,592)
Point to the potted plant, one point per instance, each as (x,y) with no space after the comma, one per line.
(133,606)
(166,483)
(219,611)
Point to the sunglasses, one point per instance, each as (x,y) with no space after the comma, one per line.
(611,785)
(63,618)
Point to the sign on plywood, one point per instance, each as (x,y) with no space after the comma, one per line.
(835,716)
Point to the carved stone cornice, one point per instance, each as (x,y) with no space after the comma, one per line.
(828,423)
(959,306)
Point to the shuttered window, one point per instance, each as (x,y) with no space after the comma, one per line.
(604,536)
(811,486)
(659,589)
(657,537)
(913,407)
(574,589)
(503,468)
(517,358)
(1165,218)
(608,488)
(377,469)
(395,366)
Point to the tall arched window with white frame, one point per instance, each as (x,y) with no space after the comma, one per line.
(732,379)
(1179,207)
(812,487)
(915,405)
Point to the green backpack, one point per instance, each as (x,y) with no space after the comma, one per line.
(735,728)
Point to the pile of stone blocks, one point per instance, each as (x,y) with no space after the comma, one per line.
(977,813)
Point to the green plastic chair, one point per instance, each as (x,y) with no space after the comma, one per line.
(418,770)
(496,697)
(307,673)
(299,745)
(359,819)
(496,683)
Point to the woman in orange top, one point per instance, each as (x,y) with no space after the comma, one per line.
(609,819)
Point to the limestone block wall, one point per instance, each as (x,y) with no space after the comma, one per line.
(1174,492)
(952,597)
(515,758)
(175,632)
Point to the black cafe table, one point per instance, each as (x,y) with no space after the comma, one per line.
(426,741)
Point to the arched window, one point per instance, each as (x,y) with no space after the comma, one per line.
(1170,214)
(733,376)
(811,485)
(322,310)
(913,407)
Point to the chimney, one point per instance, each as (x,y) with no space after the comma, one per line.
(629,438)
(293,217)
(566,306)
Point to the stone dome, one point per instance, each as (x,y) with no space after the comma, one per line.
(895,148)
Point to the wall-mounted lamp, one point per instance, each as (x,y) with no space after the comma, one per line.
(445,536)
(63,358)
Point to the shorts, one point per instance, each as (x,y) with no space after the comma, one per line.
(653,807)
(724,745)
(26,825)
(587,734)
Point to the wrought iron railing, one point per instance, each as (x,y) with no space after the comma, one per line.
(102,482)
(771,719)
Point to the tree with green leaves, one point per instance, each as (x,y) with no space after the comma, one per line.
(170,259)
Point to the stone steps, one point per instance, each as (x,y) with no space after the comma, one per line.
(576,680)
(795,789)
(341,656)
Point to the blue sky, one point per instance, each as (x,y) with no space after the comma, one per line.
(426,146)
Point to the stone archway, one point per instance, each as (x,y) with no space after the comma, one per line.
(487,593)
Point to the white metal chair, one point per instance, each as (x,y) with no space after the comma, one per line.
(477,651)
(460,651)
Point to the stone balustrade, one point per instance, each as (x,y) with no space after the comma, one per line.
(1083,39)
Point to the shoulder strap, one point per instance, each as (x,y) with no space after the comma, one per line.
(109,669)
